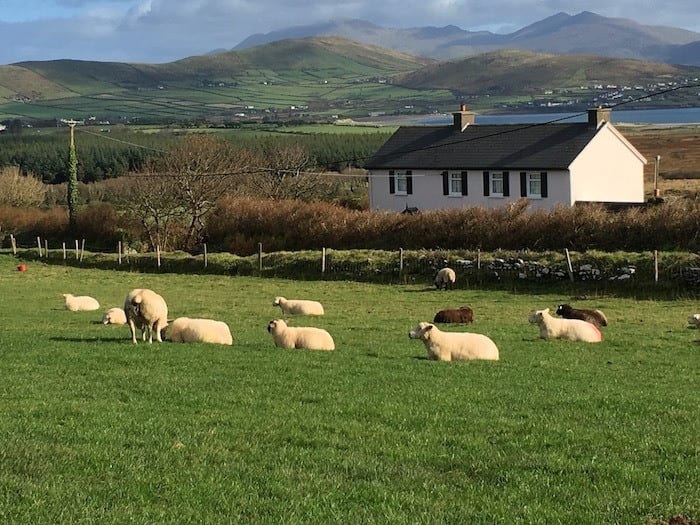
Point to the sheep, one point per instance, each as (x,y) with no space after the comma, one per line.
(298,306)
(114,316)
(186,330)
(571,329)
(694,321)
(454,346)
(147,309)
(445,278)
(592,316)
(80,303)
(299,337)
(463,314)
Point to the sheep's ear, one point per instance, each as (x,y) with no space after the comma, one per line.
(546,310)
(429,327)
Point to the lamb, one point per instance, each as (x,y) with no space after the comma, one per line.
(114,316)
(463,314)
(298,306)
(592,316)
(186,330)
(299,337)
(571,329)
(147,309)
(454,346)
(445,278)
(694,321)
(80,303)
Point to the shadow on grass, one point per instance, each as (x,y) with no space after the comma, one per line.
(90,339)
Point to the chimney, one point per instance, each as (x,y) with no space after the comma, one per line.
(597,116)
(463,118)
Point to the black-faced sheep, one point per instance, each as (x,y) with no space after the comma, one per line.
(453,346)
(147,309)
(298,306)
(187,330)
(584,314)
(463,314)
(694,321)
(571,329)
(445,278)
(307,337)
(80,303)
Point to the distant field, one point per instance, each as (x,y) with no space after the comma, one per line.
(96,430)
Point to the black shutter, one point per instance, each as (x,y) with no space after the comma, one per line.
(487,191)
(445,183)
(543,184)
(392,182)
(506,184)
(465,190)
(409,182)
(523,184)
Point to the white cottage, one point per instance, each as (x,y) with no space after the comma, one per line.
(467,164)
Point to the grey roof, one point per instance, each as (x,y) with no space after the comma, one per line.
(529,146)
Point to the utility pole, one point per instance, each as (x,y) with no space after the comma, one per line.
(72,193)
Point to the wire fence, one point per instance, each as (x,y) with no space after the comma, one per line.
(473,267)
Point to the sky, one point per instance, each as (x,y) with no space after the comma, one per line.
(156,31)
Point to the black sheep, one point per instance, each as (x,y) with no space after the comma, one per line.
(592,316)
(464,314)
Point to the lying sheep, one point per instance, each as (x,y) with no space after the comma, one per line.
(298,306)
(147,309)
(299,337)
(445,278)
(463,314)
(80,303)
(186,330)
(114,316)
(694,321)
(571,329)
(592,316)
(453,346)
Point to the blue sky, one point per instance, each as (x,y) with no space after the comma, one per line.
(165,30)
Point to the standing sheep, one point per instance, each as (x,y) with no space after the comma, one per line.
(571,329)
(299,337)
(146,308)
(445,278)
(592,316)
(454,346)
(463,314)
(80,303)
(298,306)
(114,316)
(186,330)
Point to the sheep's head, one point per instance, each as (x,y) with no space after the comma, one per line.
(563,309)
(107,318)
(421,331)
(694,320)
(538,315)
(276,325)
(277,301)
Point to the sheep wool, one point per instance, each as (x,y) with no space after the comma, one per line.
(694,320)
(187,330)
(307,337)
(445,279)
(463,314)
(114,316)
(592,316)
(147,309)
(298,306)
(571,329)
(80,303)
(454,346)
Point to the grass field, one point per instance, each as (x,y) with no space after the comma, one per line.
(96,430)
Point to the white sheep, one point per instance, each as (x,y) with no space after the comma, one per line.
(80,303)
(307,337)
(146,309)
(298,306)
(571,329)
(454,346)
(445,278)
(114,316)
(694,321)
(187,330)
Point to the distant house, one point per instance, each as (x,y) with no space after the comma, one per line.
(465,164)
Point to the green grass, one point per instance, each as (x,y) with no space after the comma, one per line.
(95,430)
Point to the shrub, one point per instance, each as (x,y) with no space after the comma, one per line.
(20,190)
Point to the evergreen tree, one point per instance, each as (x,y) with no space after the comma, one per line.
(73,194)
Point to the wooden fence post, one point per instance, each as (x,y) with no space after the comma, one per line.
(400,261)
(46,248)
(38,245)
(158,254)
(656,266)
(323,260)
(569,268)
(206,262)
(478,258)
(64,250)
(13,241)
(260,256)
(77,252)
(82,250)
(119,251)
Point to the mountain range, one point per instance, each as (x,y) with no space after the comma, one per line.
(585,33)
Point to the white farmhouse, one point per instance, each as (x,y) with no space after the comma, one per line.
(466,164)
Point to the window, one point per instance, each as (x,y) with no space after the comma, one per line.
(533,184)
(496,184)
(401,183)
(456,184)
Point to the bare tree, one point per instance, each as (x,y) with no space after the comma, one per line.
(20,191)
